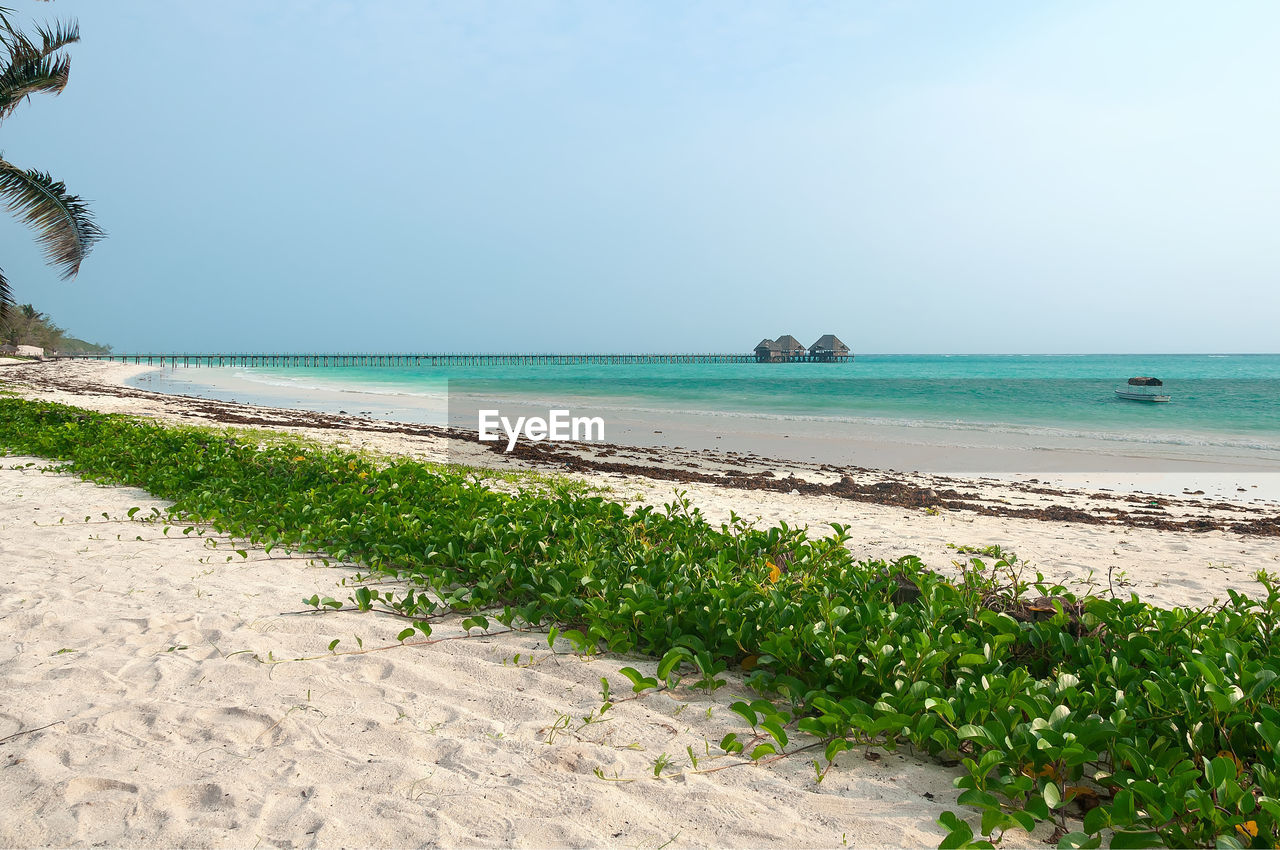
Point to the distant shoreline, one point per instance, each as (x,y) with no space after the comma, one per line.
(130,356)
(1248,485)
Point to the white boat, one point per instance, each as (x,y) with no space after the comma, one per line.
(1143,389)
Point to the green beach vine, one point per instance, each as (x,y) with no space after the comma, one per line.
(1111,719)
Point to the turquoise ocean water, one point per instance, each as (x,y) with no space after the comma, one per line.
(1229,400)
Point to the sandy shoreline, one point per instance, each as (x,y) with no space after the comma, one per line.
(1172,550)
(149,654)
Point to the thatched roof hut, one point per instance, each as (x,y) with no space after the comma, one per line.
(829,347)
(790,346)
(767,350)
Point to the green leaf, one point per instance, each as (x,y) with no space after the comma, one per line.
(405,634)
(978,798)
(575,637)
(671,659)
(959,833)
(1025,821)
(1265,679)
(812,726)
(775,730)
(1122,808)
(834,748)
(745,711)
(992,819)
(1037,807)
(942,707)
(1219,770)
(639,682)
(1096,819)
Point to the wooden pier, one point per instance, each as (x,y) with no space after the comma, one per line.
(403,360)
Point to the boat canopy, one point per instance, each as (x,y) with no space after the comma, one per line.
(1146,382)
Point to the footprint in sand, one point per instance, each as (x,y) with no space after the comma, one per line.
(377,670)
(202,797)
(83,787)
(240,725)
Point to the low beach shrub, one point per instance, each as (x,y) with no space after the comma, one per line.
(1133,724)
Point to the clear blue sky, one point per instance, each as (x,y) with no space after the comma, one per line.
(912,176)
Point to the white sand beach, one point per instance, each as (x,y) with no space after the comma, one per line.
(159,667)
(172,717)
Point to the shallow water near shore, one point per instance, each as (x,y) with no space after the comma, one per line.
(988,414)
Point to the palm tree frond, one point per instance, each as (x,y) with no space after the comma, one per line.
(6,297)
(63,224)
(31,65)
(20,80)
(57,36)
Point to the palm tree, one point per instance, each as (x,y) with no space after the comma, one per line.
(62,222)
(28,326)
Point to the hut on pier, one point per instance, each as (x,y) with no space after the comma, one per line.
(790,347)
(767,351)
(828,348)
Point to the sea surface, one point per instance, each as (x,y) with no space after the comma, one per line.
(1227,404)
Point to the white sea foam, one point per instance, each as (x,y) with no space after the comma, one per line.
(320,385)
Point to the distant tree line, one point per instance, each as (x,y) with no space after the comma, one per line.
(25,325)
